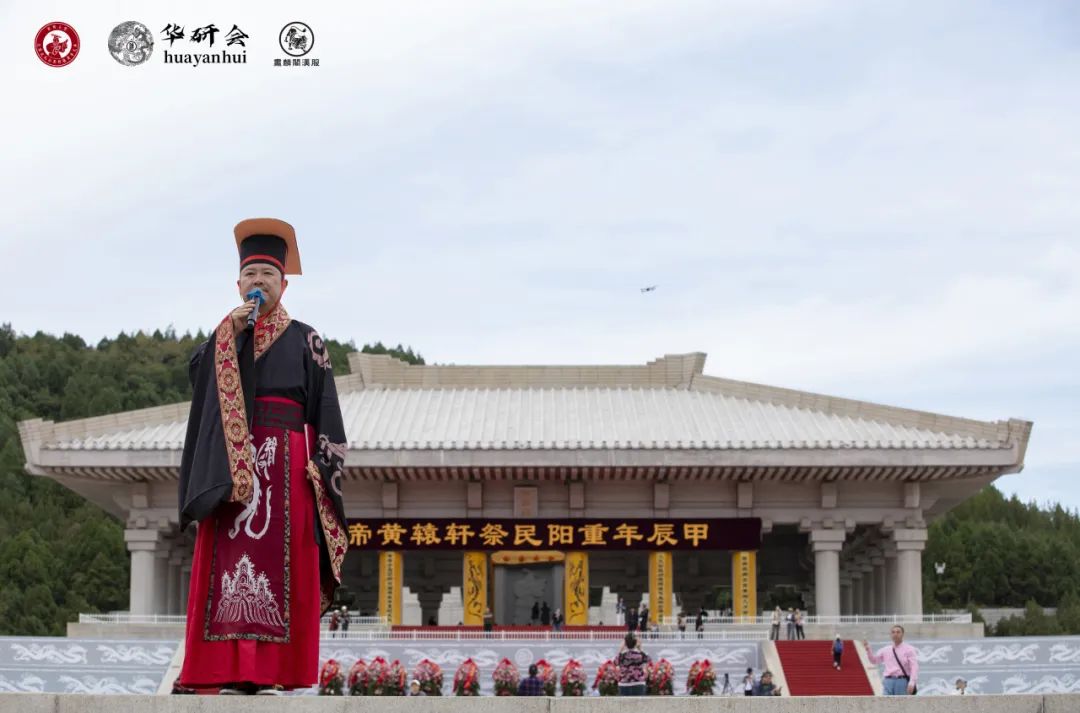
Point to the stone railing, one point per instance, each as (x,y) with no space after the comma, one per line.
(180,619)
(766,619)
(125,618)
(435,634)
(32,703)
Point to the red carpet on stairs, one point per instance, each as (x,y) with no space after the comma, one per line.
(808,668)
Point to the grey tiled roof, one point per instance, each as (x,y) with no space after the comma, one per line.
(380,418)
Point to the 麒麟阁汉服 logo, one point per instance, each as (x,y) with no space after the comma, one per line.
(296,40)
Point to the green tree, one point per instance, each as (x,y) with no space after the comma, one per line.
(59,554)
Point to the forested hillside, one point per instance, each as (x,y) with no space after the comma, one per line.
(60,555)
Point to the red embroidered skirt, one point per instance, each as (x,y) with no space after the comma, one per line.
(253,605)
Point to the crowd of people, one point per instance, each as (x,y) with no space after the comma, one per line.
(794,620)
(636,620)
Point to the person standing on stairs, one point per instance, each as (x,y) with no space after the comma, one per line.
(837,651)
(774,631)
(901,661)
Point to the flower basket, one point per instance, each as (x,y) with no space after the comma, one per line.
(659,678)
(547,674)
(385,679)
(357,680)
(702,678)
(331,680)
(573,679)
(430,676)
(607,679)
(506,678)
(398,676)
(467,679)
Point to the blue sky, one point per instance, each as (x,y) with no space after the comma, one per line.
(873,200)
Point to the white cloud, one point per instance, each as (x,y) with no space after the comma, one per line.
(842,197)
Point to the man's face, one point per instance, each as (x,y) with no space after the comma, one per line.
(265,277)
(897,635)
(766,679)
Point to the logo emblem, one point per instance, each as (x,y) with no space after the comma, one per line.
(296,39)
(57,44)
(130,43)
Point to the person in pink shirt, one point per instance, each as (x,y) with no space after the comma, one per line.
(901,664)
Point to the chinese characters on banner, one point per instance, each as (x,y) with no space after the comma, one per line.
(481,534)
(390,580)
(744,589)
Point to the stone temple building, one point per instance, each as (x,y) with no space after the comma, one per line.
(506,486)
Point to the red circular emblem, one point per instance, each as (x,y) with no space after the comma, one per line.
(57,44)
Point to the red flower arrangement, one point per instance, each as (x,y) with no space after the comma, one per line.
(385,679)
(430,676)
(659,678)
(398,676)
(547,675)
(506,678)
(702,678)
(330,679)
(573,679)
(467,679)
(357,680)
(607,679)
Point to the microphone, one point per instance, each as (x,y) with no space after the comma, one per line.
(256,295)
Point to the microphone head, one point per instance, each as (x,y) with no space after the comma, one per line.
(255,294)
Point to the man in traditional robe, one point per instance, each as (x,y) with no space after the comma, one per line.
(261,475)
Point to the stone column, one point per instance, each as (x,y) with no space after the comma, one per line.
(856,590)
(909,545)
(185,582)
(845,594)
(172,586)
(179,556)
(161,576)
(892,584)
(827,545)
(142,544)
(880,587)
(868,586)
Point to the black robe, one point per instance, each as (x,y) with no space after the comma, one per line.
(295,366)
